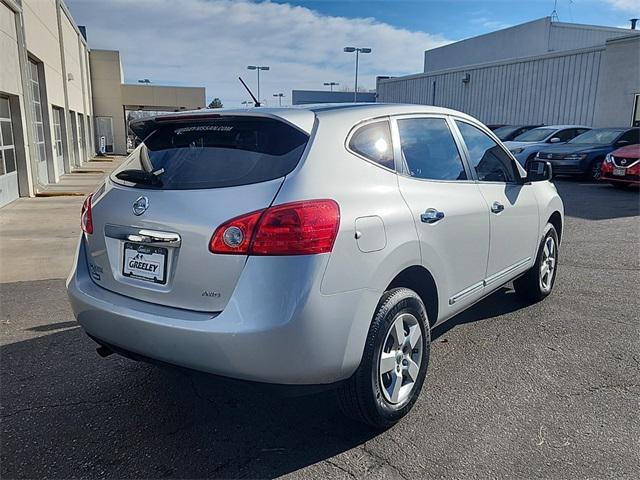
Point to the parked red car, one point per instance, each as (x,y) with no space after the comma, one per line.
(622,167)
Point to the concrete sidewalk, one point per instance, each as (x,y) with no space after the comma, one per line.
(38,236)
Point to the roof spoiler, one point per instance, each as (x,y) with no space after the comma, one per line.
(143,127)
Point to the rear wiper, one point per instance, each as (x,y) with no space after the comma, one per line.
(140,176)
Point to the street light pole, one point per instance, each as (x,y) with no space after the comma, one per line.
(358,51)
(330,84)
(279,95)
(257,68)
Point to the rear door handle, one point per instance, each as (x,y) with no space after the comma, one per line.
(431,215)
(497,207)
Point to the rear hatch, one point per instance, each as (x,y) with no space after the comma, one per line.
(153,223)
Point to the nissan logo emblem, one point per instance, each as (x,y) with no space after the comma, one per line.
(140,205)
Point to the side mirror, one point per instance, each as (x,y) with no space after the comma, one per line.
(539,171)
(554,140)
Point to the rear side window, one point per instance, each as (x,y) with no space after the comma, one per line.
(373,141)
(214,153)
(492,164)
(429,150)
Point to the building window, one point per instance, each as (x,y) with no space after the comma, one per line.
(36,111)
(7,149)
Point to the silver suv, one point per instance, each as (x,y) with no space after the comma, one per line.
(310,246)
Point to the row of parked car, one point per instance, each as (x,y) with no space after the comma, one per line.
(607,154)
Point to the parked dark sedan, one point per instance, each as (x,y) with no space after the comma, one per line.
(509,132)
(584,154)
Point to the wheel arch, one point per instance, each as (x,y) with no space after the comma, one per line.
(556,220)
(421,281)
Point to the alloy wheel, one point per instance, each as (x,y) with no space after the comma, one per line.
(400,358)
(548,264)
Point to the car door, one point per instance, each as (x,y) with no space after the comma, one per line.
(449,211)
(512,205)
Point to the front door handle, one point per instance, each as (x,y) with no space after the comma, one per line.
(497,207)
(431,215)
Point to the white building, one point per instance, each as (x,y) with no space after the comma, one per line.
(50,99)
(537,72)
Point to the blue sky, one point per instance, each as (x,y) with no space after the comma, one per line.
(210,42)
(459,19)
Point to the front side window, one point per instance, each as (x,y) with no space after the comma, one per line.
(373,141)
(491,163)
(566,135)
(429,150)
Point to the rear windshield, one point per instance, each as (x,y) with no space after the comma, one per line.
(214,153)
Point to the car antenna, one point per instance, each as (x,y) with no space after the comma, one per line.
(255,100)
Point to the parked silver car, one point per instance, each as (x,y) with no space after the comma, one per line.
(314,245)
(526,146)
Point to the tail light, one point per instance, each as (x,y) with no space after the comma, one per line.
(86,217)
(297,228)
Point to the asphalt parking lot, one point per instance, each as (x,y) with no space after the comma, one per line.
(513,391)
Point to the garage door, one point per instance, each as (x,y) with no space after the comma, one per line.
(8,174)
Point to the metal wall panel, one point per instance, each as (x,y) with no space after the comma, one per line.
(549,89)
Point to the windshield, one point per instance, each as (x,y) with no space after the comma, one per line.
(504,132)
(214,153)
(535,135)
(605,136)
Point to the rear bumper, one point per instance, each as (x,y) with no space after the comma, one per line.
(276,328)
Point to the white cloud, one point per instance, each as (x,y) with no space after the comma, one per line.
(200,42)
(626,5)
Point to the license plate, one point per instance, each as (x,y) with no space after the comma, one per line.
(619,172)
(145,262)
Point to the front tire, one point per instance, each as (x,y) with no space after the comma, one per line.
(394,362)
(537,283)
(595,170)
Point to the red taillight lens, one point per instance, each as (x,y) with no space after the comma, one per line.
(86,217)
(298,228)
(234,236)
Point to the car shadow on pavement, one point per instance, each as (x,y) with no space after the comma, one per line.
(66,412)
(501,302)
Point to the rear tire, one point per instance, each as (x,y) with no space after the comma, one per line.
(394,363)
(538,282)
